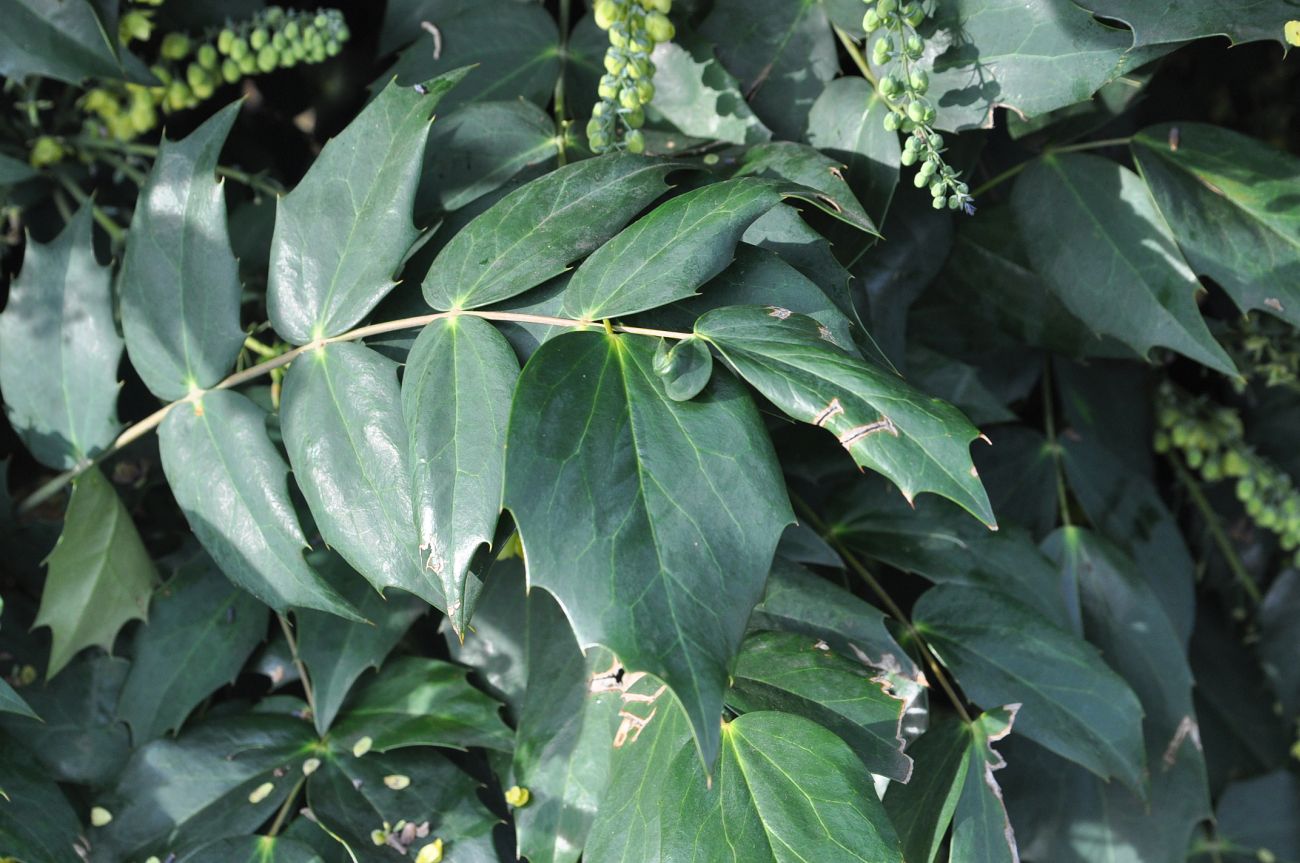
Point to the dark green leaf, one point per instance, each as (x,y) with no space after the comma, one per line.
(920,443)
(78,738)
(1259,814)
(783,53)
(536,231)
(201,631)
(567,723)
(1019,471)
(160,806)
(456,391)
(494,645)
(179,281)
(785,789)
(337,652)
(478,148)
(981,829)
(845,123)
(59,349)
(341,234)
(667,503)
(1091,230)
(100,574)
(1279,638)
(421,702)
(684,367)
(229,480)
(63,39)
(1002,652)
(698,97)
(800,674)
(799,163)
(36,821)
(1230,202)
(13,171)
(12,702)
(956,382)
(341,414)
(253,849)
(1154,22)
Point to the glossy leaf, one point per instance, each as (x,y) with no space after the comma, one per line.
(1279,638)
(1156,23)
(1002,652)
(1092,232)
(421,702)
(63,39)
(920,443)
(12,702)
(253,849)
(229,481)
(341,413)
(100,575)
(36,820)
(846,123)
(567,724)
(785,786)
(201,631)
(59,350)
(77,738)
(536,231)
(1230,202)
(1258,814)
(234,755)
(698,96)
(341,234)
(338,652)
(645,532)
(180,281)
(460,376)
(782,53)
(799,163)
(801,675)
(684,367)
(495,646)
(478,148)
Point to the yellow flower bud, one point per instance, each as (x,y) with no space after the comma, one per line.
(261,792)
(362,746)
(100,817)
(431,853)
(518,797)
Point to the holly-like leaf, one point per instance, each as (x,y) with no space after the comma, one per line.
(1154,22)
(536,231)
(478,148)
(920,443)
(802,164)
(567,724)
(12,702)
(1230,202)
(14,171)
(784,786)
(180,281)
(783,53)
(1003,652)
(36,820)
(460,376)
(341,414)
(253,849)
(229,480)
(802,675)
(341,234)
(698,97)
(100,574)
(63,39)
(665,504)
(354,798)
(1031,57)
(337,652)
(847,124)
(235,757)
(200,632)
(77,738)
(59,349)
(421,702)
(1093,233)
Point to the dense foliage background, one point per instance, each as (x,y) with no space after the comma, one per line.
(292,625)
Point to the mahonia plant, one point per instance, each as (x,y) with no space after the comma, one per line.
(898,51)
(634,27)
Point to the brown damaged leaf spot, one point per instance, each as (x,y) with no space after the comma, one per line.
(857,433)
(1187,730)
(779,313)
(1274,303)
(432,29)
(831,410)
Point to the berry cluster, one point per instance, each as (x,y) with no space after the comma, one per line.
(1212,441)
(1268,349)
(635,27)
(136,24)
(190,70)
(903,86)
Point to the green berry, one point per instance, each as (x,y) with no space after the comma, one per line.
(659,27)
(634,141)
(916,111)
(175,46)
(606,13)
(913,14)
(238,49)
(207,56)
(871,21)
(937,203)
(913,47)
(645,91)
(919,80)
(908,158)
(615,63)
(230,70)
(291,31)
(267,59)
(278,42)
(634,119)
(225,39)
(886,7)
(195,75)
(892,122)
(608,87)
(46,151)
(628,98)
(258,39)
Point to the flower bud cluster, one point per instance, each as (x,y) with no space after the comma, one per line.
(136,24)
(634,27)
(191,69)
(1212,442)
(1266,349)
(897,48)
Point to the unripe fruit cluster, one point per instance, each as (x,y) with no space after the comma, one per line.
(190,70)
(1212,442)
(903,87)
(1268,349)
(634,27)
